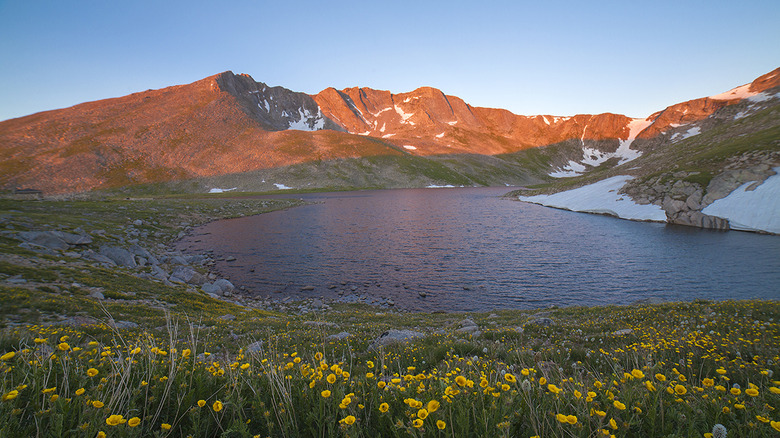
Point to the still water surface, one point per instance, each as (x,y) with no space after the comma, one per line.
(469,250)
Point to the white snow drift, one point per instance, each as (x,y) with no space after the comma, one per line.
(602,198)
(751,210)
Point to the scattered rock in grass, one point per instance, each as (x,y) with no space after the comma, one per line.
(46,239)
(16,279)
(97,293)
(393,337)
(338,336)
(120,256)
(623,332)
(254,347)
(541,322)
(307,288)
(123,324)
(321,324)
(227,317)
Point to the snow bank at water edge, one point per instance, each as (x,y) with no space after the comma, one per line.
(751,210)
(217,190)
(602,198)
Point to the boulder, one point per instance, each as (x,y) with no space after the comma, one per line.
(254,347)
(394,337)
(46,239)
(100,258)
(188,275)
(226,288)
(120,256)
(338,336)
(541,322)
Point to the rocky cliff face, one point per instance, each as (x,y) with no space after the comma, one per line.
(275,108)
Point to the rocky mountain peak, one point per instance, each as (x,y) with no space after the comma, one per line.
(276,108)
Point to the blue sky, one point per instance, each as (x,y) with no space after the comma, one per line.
(541,57)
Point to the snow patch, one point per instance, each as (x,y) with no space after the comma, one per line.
(282,187)
(755,210)
(404,115)
(601,197)
(381,111)
(364,133)
(387,135)
(545,120)
(741,92)
(572,169)
(447,186)
(307,121)
(689,133)
(218,190)
(453,123)
(439,135)
(624,151)
(410,147)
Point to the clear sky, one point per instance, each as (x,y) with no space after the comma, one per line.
(539,57)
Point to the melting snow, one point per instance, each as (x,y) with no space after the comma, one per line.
(689,133)
(381,111)
(447,186)
(572,169)
(741,92)
(282,187)
(756,210)
(410,147)
(545,120)
(307,121)
(453,123)
(216,190)
(602,198)
(404,116)
(594,157)
(387,135)
(440,135)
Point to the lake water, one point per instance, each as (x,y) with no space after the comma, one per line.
(467,249)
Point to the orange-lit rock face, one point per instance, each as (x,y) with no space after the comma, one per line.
(229,123)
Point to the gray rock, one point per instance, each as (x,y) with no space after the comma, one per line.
(73,239)
(541,322)
(321,324)
(125,324)
(317,303)
(138,222)
(467,323)
(338,336)
(226,288)
(188,275)
(120,256)
(254,347)
(394,337)
(227,317)
(211,289)
(46,239)
(97,293)
(16,279)
(467,329)
(623,332)
(92,255)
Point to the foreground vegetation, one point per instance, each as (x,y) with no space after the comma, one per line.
(199,366)
(673,370)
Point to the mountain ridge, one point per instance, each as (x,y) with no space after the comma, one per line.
(228,123)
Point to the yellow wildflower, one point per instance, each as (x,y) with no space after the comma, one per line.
(133,422)
(217,406)
(441,425)
(384,407)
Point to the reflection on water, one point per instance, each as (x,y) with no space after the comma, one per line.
(467,249)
